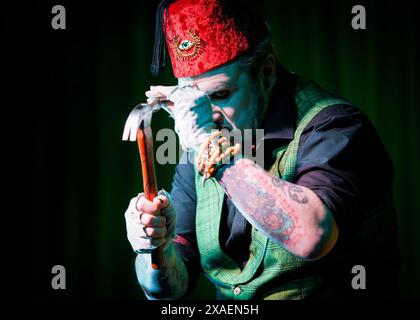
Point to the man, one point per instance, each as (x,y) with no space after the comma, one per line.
(292,227)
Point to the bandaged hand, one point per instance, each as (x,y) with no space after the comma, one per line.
(191,109)
(150,224)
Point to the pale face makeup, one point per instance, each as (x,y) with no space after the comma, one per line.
(232,92)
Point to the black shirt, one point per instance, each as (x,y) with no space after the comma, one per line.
(340,157)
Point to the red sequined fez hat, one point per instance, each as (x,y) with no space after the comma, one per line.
(204,34)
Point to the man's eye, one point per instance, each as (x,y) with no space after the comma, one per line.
(220,95)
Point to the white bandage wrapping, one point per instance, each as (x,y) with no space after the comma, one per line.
(193,116)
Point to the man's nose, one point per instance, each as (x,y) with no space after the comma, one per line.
(217,117)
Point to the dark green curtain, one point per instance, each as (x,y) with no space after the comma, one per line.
(93,73)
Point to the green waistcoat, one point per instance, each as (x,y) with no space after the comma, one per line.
(270,272)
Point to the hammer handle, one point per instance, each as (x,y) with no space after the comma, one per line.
(145,144)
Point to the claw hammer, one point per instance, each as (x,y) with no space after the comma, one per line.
(138,127)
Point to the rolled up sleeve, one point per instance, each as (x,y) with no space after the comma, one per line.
(342,159)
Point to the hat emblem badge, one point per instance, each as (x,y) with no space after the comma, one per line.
(189,48)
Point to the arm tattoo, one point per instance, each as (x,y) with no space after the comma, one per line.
(269,203)
(293,190)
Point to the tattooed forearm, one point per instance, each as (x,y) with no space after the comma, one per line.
(169,282)
(293,191)
(285,212)
(276,220)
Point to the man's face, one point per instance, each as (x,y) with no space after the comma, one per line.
(236,98)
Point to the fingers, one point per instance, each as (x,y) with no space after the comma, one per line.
(152,100)
(149,215)
(162,201)
(152,207)
(146,206)
(155,232)
(160,92)
(149,220)
(146,228)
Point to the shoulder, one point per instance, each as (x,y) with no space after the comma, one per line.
(337,114)
(331,118)
(344,129)
(341,123)
(341,149)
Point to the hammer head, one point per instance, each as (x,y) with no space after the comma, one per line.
(140,116)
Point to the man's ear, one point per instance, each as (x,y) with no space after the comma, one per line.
(268,73)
